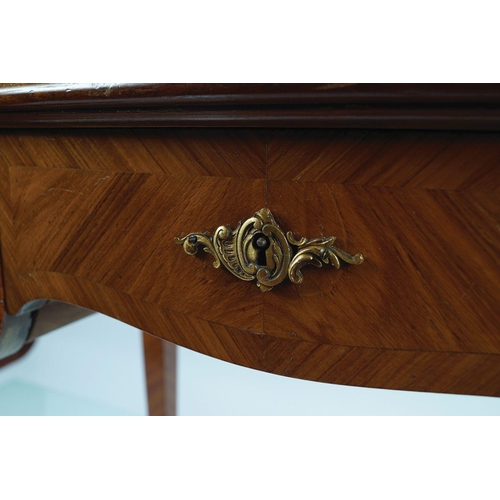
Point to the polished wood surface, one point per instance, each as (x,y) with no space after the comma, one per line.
(90,219)
(2,298)
(424,211)
(160,361)
(346,105)
(31,95)
(13,329)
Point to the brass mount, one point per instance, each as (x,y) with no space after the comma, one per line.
(259,250)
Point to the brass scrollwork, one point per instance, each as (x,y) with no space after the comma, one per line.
(259,250)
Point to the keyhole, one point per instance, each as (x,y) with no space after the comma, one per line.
(261,243)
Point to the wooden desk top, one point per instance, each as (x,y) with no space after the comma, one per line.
(339,105)
(97,181)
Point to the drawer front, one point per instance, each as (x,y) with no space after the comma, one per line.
(90,218)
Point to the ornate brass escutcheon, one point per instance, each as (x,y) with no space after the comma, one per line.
(259,250)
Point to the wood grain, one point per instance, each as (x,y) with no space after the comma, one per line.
(161,379)
(337,105)
(422,371)
(424,213)
(453,161)
(51,95)
(10,330)
(2,295)
(2,299)
(90,218)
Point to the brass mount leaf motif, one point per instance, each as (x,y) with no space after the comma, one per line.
(259,250)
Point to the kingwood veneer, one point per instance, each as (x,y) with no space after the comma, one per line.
(89,217)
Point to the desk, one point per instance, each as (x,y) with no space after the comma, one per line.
(97,182)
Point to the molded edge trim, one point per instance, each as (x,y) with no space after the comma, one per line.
(417,106)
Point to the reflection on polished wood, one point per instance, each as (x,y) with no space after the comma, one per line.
(338,105)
